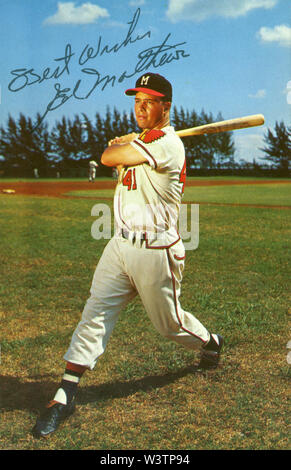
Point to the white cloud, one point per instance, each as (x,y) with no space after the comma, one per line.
(199,10)
(280,34)
(68,13)
(260,94)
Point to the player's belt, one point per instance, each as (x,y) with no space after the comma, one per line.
(133,236)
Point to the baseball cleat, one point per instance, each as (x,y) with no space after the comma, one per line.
(210,355)
(52,417)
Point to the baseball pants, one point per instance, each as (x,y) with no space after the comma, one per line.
(126,269)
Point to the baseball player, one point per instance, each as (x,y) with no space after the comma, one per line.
(92,170)
(114,173)
(146,254)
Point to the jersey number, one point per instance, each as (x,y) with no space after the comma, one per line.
(183,176)
(130,180)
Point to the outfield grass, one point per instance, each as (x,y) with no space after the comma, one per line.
(145,393)
(92,193)
(255,194)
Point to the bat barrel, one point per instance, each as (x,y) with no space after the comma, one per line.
(224,126)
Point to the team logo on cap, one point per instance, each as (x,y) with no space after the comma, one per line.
(144,80)
(151,136)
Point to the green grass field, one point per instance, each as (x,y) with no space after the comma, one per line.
(145,392)
(255,194)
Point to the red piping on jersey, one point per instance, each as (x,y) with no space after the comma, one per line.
(160,247)
(179,258)
(145,150)
(176,302)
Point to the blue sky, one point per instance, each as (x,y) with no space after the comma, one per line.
(228,56)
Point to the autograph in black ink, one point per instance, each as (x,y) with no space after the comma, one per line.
(152,57)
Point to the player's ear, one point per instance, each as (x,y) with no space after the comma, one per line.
(167,106)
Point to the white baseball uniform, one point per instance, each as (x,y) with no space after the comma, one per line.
(145,256)
(92,170)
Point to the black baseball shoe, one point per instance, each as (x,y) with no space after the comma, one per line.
(52,417)
(210,354)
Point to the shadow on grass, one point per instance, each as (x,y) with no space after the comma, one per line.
(123,389)
(18,395)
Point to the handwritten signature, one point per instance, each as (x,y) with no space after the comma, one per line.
(155,56)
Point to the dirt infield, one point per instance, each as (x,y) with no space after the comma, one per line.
(60,188)
(54,188)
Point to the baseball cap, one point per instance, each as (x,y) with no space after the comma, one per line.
(152,84)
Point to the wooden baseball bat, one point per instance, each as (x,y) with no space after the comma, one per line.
(224,126)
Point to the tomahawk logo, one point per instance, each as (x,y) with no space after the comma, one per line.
(144,80)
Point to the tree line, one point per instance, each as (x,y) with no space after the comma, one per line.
(26,144)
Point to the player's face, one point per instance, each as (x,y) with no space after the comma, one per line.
(149,110)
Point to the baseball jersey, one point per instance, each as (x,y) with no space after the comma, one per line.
(148,196)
